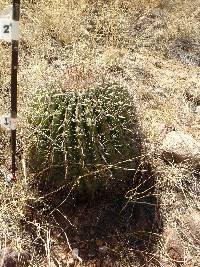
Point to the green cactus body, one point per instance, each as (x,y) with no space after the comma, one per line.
(86,138)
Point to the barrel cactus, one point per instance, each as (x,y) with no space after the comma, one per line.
(86,139)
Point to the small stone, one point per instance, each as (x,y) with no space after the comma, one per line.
(103,249)
(10,257)
(197,110)
(192,221)
(75,255)
(178,147)
(71,262)
(173,245)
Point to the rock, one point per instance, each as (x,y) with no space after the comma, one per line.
(10,257)
(75,254)
(103,249)
(70,262)
(197,110)
(173,246)
(179,147)
(192,221)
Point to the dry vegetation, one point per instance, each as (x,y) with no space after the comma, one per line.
(151,48)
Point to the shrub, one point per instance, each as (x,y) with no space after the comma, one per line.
(84,139)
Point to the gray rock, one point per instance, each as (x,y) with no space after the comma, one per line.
(173,245)
(192,221)
(9,257)
(179,147)
(103,249)
(197,110)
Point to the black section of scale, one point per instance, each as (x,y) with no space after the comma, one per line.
(14,69)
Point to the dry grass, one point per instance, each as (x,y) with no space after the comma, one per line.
(152,48)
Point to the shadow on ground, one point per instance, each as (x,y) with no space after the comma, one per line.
(107,231)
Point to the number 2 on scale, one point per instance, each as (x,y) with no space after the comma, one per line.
(6,29)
